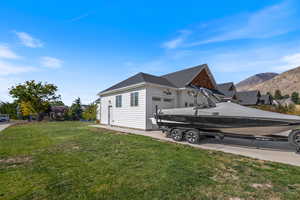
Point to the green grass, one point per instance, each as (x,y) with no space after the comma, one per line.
(68,160)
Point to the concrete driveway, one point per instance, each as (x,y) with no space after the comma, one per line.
(264,150)
(4,125)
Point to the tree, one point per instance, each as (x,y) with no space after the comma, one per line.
(269,93)
(27,109)
(57,103)
(37,95)
(286,96)
(90,112)
(9,108)
(277,94)
(76,110)
(295,97)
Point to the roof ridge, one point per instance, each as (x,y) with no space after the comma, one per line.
(198,66)
(225,83)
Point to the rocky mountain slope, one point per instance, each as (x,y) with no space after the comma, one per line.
(287,82)
(253,81)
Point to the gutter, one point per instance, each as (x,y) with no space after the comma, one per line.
(135,86)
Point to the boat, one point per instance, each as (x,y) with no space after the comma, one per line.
(214,117)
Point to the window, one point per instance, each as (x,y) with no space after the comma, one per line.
(134,99)
(119,101)
(156,99)
(186,104)
(167,100)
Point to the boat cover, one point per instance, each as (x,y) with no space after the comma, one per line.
(229,109)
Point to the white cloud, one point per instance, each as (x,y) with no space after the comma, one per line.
(10,69)
(174,43)
(7,53)
(289,62)
(268,22)
(51,62)
(79,17)
(28,41)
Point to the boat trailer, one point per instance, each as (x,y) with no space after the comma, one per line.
(194,135)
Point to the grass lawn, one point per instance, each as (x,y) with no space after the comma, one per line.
(68,160)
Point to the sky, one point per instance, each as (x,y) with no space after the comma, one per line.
(84,47)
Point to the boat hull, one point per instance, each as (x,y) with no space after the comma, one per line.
(231,125)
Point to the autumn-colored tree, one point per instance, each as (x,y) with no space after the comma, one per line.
(26,109)
(38,95)
(90,112)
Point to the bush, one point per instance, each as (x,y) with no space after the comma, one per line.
(90,112)
(10,109)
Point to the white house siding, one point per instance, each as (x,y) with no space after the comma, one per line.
(98,115)
(125,116)
(159,93)
(139,117)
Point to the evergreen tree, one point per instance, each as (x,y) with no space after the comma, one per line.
(295,97)
(269,93)
(76,110)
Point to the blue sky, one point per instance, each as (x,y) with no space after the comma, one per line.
(86,46)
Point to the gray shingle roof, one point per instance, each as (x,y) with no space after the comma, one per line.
(177,79)
(181,78)
(248,97)
(228,89)
(140,78)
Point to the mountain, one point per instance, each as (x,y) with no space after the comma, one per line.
(252,81)
(287,82)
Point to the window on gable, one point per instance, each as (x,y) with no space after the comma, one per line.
(119,101)
(134,99)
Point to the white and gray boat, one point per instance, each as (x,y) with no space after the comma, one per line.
(227,119)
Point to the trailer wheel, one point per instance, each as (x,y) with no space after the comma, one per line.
(192,136)
(294,138)
(177,134)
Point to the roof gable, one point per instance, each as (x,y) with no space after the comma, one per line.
(226,86)
(228,89)
(248,97)
(183,77)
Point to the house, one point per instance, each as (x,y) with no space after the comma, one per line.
(229,91)
(58,112)
(266,99)
(132,102)
(285,102)
(248,98)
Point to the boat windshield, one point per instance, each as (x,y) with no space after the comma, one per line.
(208,99)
